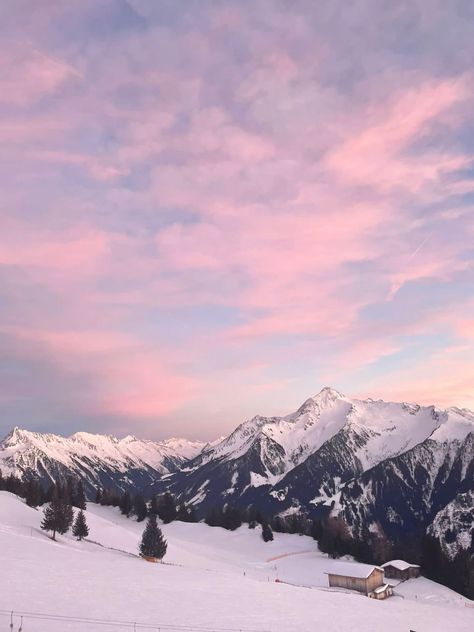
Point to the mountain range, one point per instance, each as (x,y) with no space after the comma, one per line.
(405,467)
(98,460)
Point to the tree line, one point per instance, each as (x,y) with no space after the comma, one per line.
(331,533)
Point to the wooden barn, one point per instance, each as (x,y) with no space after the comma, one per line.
(361,577)
(399,569)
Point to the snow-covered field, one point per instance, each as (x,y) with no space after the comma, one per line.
(213,579)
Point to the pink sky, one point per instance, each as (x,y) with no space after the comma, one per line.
(213,212)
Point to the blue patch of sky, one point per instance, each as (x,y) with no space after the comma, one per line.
(414,298)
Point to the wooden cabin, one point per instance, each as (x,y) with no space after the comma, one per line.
(399,569)
(363,578)
(382,592)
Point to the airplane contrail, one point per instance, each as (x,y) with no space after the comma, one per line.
(418,248)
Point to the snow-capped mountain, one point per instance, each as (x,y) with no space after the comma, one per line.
(99,460)
(396,464)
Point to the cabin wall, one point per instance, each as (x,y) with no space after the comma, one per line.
(375,579)
(350,583)
(395,573)
(384,594)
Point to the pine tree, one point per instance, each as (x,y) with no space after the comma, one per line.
(153,543)
(167,508)
(58,516)
(79,496)
(267,533)
(98,496)
(33,493)
(139,507)
(154,506)
(214,517)
(80,529)
(231,518)
(316,530)
(125,504)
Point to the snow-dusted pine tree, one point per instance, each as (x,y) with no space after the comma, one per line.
(153,544)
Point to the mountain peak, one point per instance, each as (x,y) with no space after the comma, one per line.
(328,394)
(18,435)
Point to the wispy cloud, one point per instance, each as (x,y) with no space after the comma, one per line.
(212,212)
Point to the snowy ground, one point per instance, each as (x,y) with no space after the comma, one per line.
(213,579)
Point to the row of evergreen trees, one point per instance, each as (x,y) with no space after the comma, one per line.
(163,506)
(35,494)
(59,515)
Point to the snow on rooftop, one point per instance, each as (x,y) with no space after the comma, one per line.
(400,564)
(350,569)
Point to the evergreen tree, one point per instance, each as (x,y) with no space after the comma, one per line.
(214,517)
(80,529)
(139,507)
(126,504)
(167,508)
(186,514)
(154,506)
(153,543)
(231,518)
(279,524)
(335,539)
(267,533)
(58,516)
(316,530)
(98,496)
(432,558)
(79,496)
(33,493)
(70,490)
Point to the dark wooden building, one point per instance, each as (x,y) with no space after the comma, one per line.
(399,569)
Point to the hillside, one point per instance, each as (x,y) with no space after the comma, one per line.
(213,578)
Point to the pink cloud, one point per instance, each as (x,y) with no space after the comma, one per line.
(447,381)
(75,254)
(372,156)
(131,379)
(27,75)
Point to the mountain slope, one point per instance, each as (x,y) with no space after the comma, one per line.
(373,462)
(207,572)
(396,464)
(98,460)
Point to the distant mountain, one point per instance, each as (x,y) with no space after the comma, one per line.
(395,464)
(405,467)
(98,460)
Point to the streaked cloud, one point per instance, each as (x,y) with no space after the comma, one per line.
(211,213)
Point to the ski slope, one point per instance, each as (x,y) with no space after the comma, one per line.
(212,579)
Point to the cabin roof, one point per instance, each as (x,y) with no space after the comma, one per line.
(381,588)
(401,565)
(350,569)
